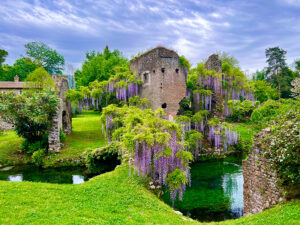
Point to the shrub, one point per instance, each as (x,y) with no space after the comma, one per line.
(31,113)
(273,109)
(94,159)
(283,148)
(30,147)
(242,110)
(38,157)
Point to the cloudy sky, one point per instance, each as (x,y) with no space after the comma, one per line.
(196,29)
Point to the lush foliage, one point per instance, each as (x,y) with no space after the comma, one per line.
(22,67)
(263,91)
(231,85)
(39,80)
(120,87)
(3,55)
(273,110)
(42,54)
(296,88)
(184,63)
(278,74)
(31,113)
(153,145)
(241,111)
(99,66)
(284,148)
(229,59)
(94,158)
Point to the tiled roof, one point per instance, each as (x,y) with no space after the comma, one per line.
(12,85)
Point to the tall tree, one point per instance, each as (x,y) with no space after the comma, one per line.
(276,66)
(3,55)
(52,61)
(22,67)
(99,66)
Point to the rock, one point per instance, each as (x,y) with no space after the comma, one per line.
(6,168)
(178,212)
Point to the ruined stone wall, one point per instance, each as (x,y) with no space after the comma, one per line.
(261,190)
(5,126)
(63,118)
(213,63)
(164,80)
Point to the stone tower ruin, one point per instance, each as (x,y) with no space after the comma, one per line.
(63,119)
(164,80)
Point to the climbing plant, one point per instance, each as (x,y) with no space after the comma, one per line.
(151,145)
(119,87)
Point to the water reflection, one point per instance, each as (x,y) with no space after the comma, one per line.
(78,179)
(15,178)
(216,193)
(233,188)
(50,175)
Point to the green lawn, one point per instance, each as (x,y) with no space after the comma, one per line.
(111,198)
(10,146)
(246,130)
(86,133)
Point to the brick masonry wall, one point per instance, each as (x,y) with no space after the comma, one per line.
(261,190)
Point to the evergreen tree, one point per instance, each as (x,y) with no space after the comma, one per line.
(276,67)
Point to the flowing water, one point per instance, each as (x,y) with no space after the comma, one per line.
(216,192)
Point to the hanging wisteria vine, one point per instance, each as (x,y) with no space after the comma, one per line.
(123,85)
(153,145)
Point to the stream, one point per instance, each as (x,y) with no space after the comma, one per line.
(216,192)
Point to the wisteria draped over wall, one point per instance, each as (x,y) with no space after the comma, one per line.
(123,85)
(154,145)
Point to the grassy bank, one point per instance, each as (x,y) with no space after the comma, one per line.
(111,198)
(86,133)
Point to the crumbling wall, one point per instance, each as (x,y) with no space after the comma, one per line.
(5,126)
(164,80)
(63,118)
(213,63)
(261,190)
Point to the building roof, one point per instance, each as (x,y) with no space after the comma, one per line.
(12,85)
(151,50)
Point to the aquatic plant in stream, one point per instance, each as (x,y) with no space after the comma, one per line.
(151,145)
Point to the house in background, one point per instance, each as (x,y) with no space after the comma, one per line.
(15,86)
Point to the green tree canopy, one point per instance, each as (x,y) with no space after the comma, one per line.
(263,91)
(40,80)
(3,55)
(52,61)
(99,66)
(277,68)
(226,58)
(22,67)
